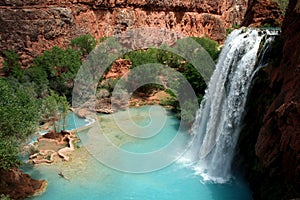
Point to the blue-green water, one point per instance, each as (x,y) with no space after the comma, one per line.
(72,122)
(87,178)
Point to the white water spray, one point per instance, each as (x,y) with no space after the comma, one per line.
(218,120)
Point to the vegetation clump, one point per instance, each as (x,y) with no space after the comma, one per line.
(168,59)
(19,116)
(44,90)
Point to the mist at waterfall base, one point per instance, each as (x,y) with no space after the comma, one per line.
(216,131)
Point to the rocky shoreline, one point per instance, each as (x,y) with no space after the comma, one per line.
(18,185)
(66,138)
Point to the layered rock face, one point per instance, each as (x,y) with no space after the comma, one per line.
(271,139)
(32,26)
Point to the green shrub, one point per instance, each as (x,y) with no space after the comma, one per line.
(8,152)
(19,116)
(4,197)
(141,57)
(195,79)
(188,111)
(102,39)
(61,67)
(211,46)
(84,44)
(38,76)
(12,65)
(171,101)
(55,108)
(170,59)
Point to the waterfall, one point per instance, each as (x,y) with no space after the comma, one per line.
(218,121)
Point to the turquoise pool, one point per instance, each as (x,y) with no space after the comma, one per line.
(88,178)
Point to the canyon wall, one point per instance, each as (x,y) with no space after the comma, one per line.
(262,12)
(32,26)
(270,141)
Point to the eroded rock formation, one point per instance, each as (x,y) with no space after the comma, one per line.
(49,155)
(262,12)
(271,139)
(18,185)
(32,26)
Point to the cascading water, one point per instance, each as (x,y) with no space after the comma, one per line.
(218,120)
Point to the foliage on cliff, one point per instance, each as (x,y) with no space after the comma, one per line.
(55,69)
(19,115)
(61,67)
(41,90)
(84,44)
(26,95)
(169,59)
(55,108)
(12,65)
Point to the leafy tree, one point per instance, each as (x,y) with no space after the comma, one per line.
(61,67)
(58,62)
(84,44)
(12,65)
(64,109)
(55,107)
(19,116)
(170,59)
(37,76)
(141,57)
(8,152)
(50,108)
(19,111)
(195,79)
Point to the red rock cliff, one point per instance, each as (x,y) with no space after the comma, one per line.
(278,144)
(32,26)
(261,12)
(270,140)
